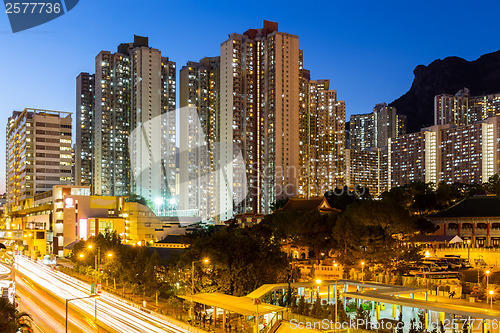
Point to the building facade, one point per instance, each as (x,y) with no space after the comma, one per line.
(259,110)
(462,109)
(476,220)
(53,220)
(38,154)
(322,142)
(199,135)
(84,145)
(373,130)
(367,168)
(129,129)
(448,153)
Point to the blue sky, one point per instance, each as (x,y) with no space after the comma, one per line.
(367,48)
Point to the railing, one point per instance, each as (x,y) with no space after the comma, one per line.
(320,324)
(278,316)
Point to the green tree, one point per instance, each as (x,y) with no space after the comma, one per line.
(150,275)
(140,200)
(302,305)
(241,260)
(493,184)
(341,313)
(11,320)
(317,311)
(289,298)
(280,203)
(399,328)
(441,327)
(362,316)
(340,198)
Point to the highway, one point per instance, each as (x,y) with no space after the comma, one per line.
(48,312)
(41,284)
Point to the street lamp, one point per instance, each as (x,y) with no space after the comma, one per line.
(318,282)
(468,250)
(205,261)
(487,279)
(362,272)
(74,299)
(491,296)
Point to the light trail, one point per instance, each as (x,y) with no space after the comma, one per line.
(113,312)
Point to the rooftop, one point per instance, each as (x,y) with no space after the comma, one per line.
(477,206)
(299,204)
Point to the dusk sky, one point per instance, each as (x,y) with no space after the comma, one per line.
(368,49)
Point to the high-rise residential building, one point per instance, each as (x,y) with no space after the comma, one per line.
(462,109)
(322,153)
(85,99)
(374,129)
(453,109)
(361,131)
(198,134)
(387,123)
(412,157)
(259,112)
(307,134)
(446,153)
(38,154)
(132,122)
(367,168)
(369,136)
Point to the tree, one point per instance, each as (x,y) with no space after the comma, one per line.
(289,298)
(302,306)
(317,311)
(340,198)
(280,203)
(441,327)
(362,316)
(150,275)
(241,260)
(342,315)
(11,320)
(400,325)
(140,200)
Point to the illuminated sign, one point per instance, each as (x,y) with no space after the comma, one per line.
(69,203)
(82,226)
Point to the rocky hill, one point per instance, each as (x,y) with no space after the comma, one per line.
(481,76)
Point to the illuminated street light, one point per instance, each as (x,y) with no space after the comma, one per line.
(487,279)
(82,255)
(205,261)
(110,254)
(427,254)
(491,292)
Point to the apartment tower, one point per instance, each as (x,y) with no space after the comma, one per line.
(129,129)
(259,112)
(38,154)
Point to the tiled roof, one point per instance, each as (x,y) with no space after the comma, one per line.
(298,204)
(477,206)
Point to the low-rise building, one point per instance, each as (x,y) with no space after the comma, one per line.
(52,221)
(476,220)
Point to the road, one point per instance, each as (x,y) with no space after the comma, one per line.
(48,312)
(39,282)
